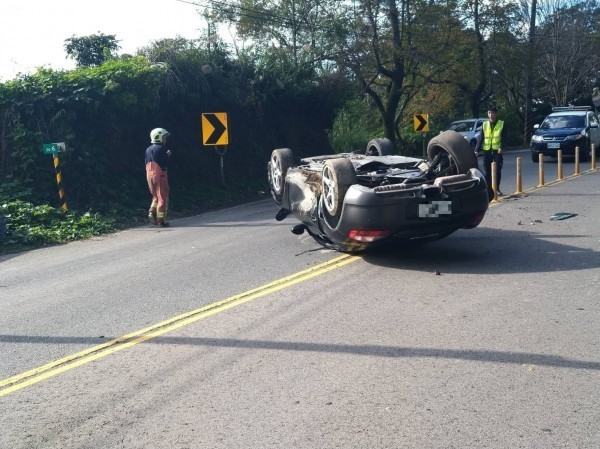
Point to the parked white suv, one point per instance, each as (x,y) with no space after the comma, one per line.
(470,129)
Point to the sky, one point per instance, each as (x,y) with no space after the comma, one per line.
(33,32)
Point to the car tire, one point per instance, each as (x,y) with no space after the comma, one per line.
(337,177)
(535,157)
(380,147)
(473,144)
(281,160)
(459,151)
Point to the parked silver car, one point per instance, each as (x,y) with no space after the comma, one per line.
(470,129)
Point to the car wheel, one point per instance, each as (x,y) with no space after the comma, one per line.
(457,155)
(535,157)
(473,144)
(380,147)
(281,160)
(338,176)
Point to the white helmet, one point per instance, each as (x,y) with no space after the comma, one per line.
(157,134)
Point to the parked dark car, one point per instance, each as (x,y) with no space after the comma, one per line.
(564,129)
(353,200)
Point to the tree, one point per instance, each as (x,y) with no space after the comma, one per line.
(92,50)
(473,87)
(381,58)
(569,60)
(528,129)
(309,31)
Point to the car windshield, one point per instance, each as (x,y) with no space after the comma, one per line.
(563,121)
(461,126)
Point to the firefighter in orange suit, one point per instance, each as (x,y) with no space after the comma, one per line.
(157,162)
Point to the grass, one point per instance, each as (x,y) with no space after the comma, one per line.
(31,226)
(25,225)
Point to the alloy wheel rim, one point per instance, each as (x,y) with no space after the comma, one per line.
(329,196)
(276,180)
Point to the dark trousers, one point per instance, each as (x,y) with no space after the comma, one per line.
(488,158)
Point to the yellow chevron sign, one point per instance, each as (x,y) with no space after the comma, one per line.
(214,128)
(421,122)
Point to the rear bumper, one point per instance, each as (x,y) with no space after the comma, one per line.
(398,211)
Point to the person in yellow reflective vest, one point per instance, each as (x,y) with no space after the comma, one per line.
(492,145)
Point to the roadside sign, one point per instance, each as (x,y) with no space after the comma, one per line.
(421,122)
(51,148)
(214,129)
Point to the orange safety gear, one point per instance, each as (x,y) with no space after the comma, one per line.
(158,184)
(157,160)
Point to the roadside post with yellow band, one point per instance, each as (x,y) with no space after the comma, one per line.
(215,133)
(54,149)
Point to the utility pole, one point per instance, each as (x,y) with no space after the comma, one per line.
(529,89)
(208,31)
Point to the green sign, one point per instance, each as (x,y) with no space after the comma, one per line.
(51,148)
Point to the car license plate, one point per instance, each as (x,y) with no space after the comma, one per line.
(554,145)
(435,209)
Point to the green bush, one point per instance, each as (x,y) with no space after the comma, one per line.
(30,226)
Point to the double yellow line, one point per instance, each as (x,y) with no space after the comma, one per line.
(52,369)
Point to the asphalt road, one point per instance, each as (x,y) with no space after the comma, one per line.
(488,338)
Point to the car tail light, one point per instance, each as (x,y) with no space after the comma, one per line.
(367,236)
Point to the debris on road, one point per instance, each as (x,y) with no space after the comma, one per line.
(562,216)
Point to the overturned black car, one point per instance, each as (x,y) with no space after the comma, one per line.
(351,201)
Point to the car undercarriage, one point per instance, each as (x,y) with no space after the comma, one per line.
(351,200)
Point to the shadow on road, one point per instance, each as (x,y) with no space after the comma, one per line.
(489,251)
(399,352)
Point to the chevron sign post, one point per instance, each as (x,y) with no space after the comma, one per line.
(421,124)
(215,133)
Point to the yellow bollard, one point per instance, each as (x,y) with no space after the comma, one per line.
(519,177)
(593,156)
(494,181)
(576,160)
(560,170)
(541,170)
